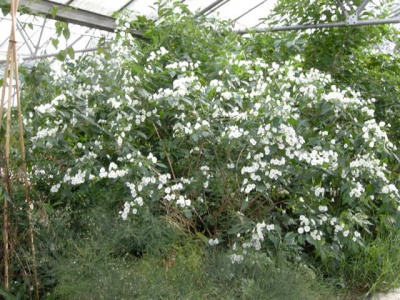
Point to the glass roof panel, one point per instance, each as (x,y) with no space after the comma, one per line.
(35,41)
(34,37)
(106,8)
(235,8)
(144,8)
(253,18)
(195,5)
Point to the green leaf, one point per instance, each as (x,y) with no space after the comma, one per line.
(235,229)
(7,295)
(5,195)
(310,240)
(5,7)
(301,239)
(275,240)
(188,214)
(245,203)
(277,43)
(71,52)
(54,11)
(55,42)
(293,121)
(66,33)
(289,239)
(61,55)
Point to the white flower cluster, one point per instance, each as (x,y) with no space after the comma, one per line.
(78,178)
(306,224)
(157,55)
(258,235)
(367,164)
(357,190)
(213,242)
(392,191)
(113,172)
(50,107)
(236,258)
(373,133)
(183,66)
(47,132)
(182,86)
(188,128)
(319,157)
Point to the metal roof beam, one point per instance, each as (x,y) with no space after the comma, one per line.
(362,6)
(344,11)
(250,10)
(395,13)
(210,11)
(324,25)
(211,6)
(35,57)
(76,16)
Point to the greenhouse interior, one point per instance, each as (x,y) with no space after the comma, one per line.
(200,149)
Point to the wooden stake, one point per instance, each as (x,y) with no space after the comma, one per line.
(11,71)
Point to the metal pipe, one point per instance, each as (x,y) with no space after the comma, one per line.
(325,25)
(362,6)
(35,57)
(212,5)
(250,10)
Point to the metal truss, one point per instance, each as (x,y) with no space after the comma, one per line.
(350,20)
(95,22)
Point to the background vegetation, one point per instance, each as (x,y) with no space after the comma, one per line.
(176,168)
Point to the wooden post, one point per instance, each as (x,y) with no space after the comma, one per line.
(11,72)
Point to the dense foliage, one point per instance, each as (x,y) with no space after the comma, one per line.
(223,142)
(247,143)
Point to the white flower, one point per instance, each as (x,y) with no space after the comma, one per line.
(270,227)
(236,258)
(319,191)
(55,188)
(213,242)
(323,208)
(300,230)
(139,201)
(112,166)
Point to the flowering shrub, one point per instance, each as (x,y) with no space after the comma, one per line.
(253,154)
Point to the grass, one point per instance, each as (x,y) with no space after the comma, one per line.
(191,274)
(105,258)
(154,260)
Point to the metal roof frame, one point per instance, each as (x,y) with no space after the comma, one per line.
(67,13)
(351,20)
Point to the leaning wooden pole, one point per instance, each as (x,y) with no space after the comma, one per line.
(25,179)
(7,86)
(11,72)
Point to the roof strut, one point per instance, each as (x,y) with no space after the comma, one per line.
(76,16)
(250,10)
(352,19)
(211,6)
(324,25)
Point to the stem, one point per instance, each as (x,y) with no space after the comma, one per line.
(6,222)
(26,182)
(165,152)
